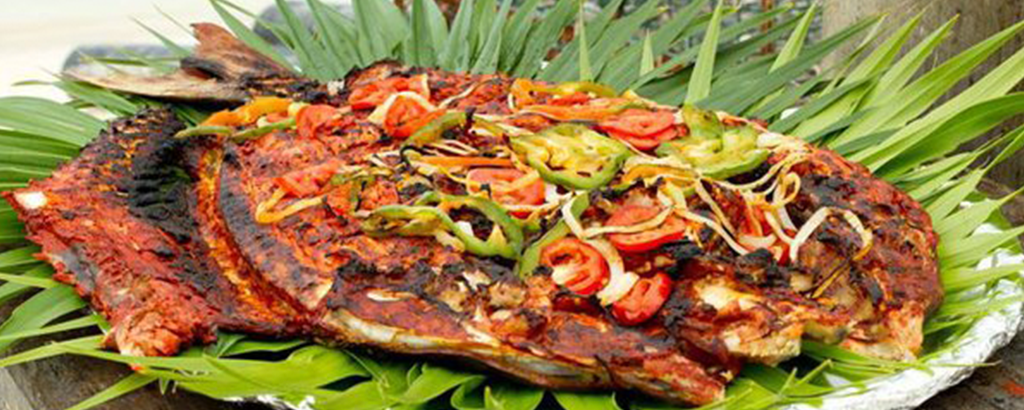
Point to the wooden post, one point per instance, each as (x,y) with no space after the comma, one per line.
(979,19)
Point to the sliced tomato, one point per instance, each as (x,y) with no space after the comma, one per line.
(586,269)
(406,115)
(375,93)
(643,301)
(638,123)
(671,230)
(532,194)
(312,119)
(649,142)
(308,181)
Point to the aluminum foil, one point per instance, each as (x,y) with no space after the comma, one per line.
(909,388)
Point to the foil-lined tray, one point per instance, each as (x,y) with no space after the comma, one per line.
(906,389)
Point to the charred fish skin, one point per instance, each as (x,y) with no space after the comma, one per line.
(121,223)
(105,243)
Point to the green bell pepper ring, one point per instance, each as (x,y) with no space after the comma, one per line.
(572,155)
(425,218)
(531,257)
(505,241)
(716,151)
(405,220)
(703,124)
(434,131)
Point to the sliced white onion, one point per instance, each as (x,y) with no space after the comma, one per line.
(866,238)
(562,274)
(570,220)
(787,222)
(620,282)
(466,227)
(719,230)
(380,113)
(706,197)
(756,242)
(819,217)
(805,231)
(788,162)
(777,228)
(551,193)
(463,94)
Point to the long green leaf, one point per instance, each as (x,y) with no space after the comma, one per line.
(921,95)
(795,44)
(126,385)
(700,81)
(487,62)
(40,309)
(513,40)
(961,127)
(455,49)
(586,401)
(544,37)
(248,36)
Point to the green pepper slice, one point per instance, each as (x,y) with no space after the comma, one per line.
(715,150)
(572,155)
(531,257)
(434,131)
(201,130)
(426,217)
(264,130)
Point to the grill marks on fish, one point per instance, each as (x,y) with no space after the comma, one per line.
(123,232)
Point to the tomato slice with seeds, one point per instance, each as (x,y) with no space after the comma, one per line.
(639,123)
(406,115)
(649,142)
(308,181)
(375,93)
(579,266)
(673,229)
(642,129)
(643,301)
(531,194)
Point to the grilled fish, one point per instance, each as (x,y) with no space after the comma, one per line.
(173,239)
